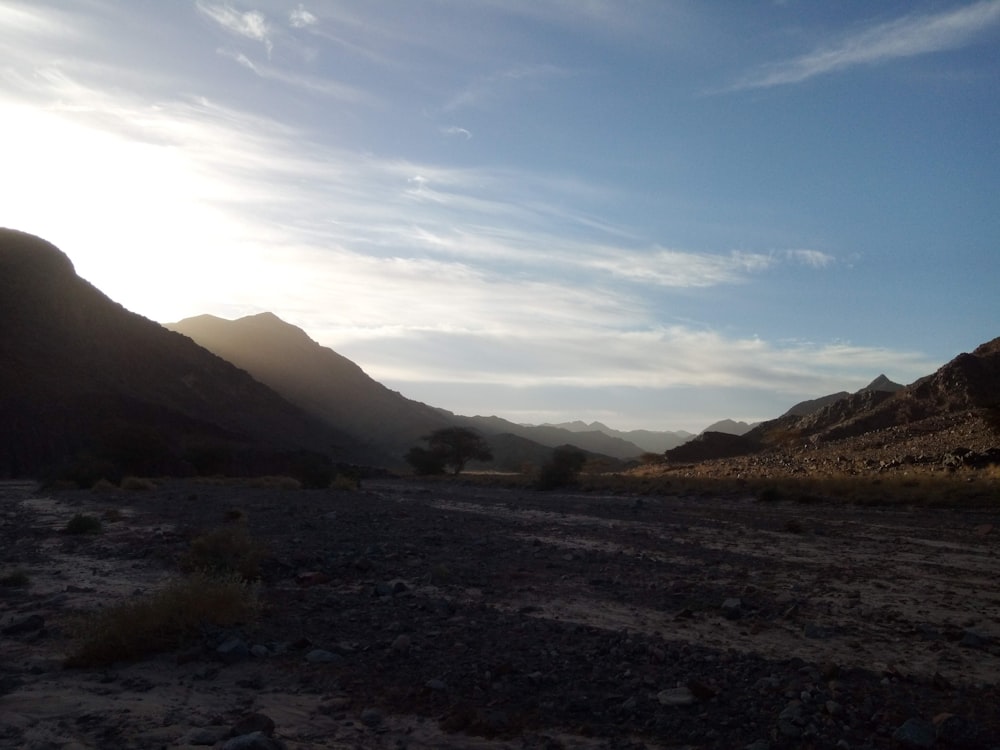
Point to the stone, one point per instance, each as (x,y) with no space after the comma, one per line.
(253,741)
(255,722)
(401,644)
(680,696)
(25,625)
(207,736)
(322,656)
(233,650)
(915,734)
(732,608)
(436,685)
(371,717)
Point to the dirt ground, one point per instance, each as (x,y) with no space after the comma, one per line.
(450,615)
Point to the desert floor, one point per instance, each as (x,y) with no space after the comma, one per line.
(450,615)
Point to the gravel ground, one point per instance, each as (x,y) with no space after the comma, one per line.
(445,614)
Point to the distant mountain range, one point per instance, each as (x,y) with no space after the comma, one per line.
(85,383)
(326,384)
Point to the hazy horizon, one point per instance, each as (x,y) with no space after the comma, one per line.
(654,216)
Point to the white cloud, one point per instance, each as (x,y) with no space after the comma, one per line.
(251,24)
(301,18)
(455,130)
(812,258)
(905,37)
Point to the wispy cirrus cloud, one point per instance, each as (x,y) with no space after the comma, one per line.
(909,36)
(312,84)
(300,18)
(251,24)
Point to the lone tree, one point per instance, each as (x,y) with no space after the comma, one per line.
(453,447)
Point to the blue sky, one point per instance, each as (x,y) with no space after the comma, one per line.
(651,213)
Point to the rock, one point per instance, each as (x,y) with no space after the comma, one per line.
(436,685)
(233,650)
(972,639)
(253,741)
(322,656)
(25,625)
(312,578)
(955,731)
(915,734)
(401,644)
(207,736)
(251,723)
(680,696)
(371,717)
(732,609)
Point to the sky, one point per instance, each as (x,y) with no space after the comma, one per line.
(650,213)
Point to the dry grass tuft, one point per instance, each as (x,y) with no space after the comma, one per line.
(226,550)
(161,621)
(103,485)
(138,484)
(275,483)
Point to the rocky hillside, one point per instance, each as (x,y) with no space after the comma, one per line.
(85,383)
(954,411)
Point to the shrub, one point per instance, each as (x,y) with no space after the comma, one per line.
(14,579)
(103,485)
(225,550)
(84,524)
(562,468)
(346,482)
(161,621)
(140,484)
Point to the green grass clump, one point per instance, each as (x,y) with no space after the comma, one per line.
(15,579)
(161,621)
(84,524)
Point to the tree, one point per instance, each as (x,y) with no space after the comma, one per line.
(450,446)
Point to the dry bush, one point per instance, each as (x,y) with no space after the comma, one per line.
(346,483)
(138,484)
(161,621)
(112,515)
(103,485)
(226,550)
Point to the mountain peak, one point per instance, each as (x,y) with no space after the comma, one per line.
(882,383)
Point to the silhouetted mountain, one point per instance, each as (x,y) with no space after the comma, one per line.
(729,427)
(317,379)
(85,381)
(332,387)
(652,441)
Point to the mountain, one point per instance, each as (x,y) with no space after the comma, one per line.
(881,384)
(730,427)
(317,379)
(960,401)
(330,386)
(651,441)
(592,441)
(85,381)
